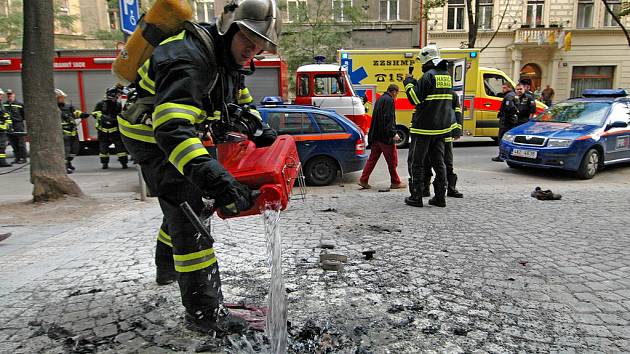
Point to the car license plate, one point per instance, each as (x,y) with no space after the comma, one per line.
(528,154)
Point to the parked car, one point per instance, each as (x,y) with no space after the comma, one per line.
(326,141)
(582,135)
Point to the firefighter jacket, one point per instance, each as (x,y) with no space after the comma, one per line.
(105,113)
(383,126)
(457,120)
(508,113)
(433,99)
(16,110)
(68,116)
(526,107)
(189,80)
(5,121)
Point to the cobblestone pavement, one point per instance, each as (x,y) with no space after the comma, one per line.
(497,271)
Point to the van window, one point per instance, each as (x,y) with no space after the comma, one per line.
(327,124)
(303,86)
(291,123)
(492,84)
(329,85)
(620,113)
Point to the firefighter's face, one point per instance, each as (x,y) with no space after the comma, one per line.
(243,49)
(61,99)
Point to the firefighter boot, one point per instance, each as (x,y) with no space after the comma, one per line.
(452,190)
(416,195)
(426,189)
(440,194)
(215,320)
(105,165)
(165,276)
(4,163)
(124,166)
(69,167)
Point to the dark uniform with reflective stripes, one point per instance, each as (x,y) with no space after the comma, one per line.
(106,113)
(451,177)
(17,137)
(432,122)
(183,85)
(71,142)
(526,107)
(5,127)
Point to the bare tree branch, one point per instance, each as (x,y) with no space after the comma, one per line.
(617,19)
(507,3)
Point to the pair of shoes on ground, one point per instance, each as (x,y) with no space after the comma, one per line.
(365,185)
(497,159)
(541,194)
(418,202)
(19,161)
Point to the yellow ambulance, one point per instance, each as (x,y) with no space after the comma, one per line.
(372,70)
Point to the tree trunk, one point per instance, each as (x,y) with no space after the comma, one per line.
(48,174)
(473,22)
(618,20)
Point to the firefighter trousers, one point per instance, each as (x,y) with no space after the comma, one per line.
(448,163)
(179,246)
(3,149)
(105,140)
(421,147)
(71,147)
(18,142)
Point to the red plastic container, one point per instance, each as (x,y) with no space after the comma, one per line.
(272,170)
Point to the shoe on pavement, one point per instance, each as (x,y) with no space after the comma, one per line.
(454,193)
(364,185)
(69,171)
(124,166)
(4,236)
(437,202)
(414,202)
(540,194)
(105,166)
(497,159)
(215,320)
(6,165)
(400,185)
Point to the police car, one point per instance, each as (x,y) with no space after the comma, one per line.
(581,134)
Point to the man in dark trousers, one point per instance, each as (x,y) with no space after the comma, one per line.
(432,121)
(69,115)
(17,137)
(106,112)
(526,102)
(508,114)
(382,138)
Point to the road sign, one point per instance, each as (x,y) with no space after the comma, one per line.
(129,15)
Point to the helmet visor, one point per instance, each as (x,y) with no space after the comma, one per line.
(261,33)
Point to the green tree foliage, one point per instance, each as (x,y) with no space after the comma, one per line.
(315,31)
(12,24)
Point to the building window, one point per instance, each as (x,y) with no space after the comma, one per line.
(591,77)
(485,14)
(389,10)
(585,14)
(615,6)
(455,15)
(341,10)
(296,10)
(113,19)
(535,9)
(204,10)
(63,6)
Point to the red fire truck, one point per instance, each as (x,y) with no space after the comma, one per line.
(84,75)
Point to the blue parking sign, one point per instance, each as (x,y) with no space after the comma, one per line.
(129,15)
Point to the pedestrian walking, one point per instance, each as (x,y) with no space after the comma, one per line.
(508,114)
(191,78)
(5,128)
(17,136)
(547,95)
(383,138)
(527,102)
(106,113)
(451,177)
(432,121)
(69,115)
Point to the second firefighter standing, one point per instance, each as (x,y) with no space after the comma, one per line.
(69,116)
(106,113)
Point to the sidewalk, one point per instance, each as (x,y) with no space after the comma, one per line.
(497,271)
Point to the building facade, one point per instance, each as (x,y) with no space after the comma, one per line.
(532,41)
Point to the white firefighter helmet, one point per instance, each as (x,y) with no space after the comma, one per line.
(258,19)
(1,92)
(59,93)
(430,52)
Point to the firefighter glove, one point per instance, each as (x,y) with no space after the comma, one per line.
(236,197)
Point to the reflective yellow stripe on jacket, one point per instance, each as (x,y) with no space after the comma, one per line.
(140,132)
(411,93)
(165,238)
(145,81)
(186,151)
(194,261)
(167,111)
(244,97)
(433,132)
(445,96)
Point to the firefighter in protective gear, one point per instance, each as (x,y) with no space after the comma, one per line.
(526,102)
(106,113)
(190,81)
(5,128)
(508,114)
(17,137)
(432,122)
(69,115)
(451,177)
